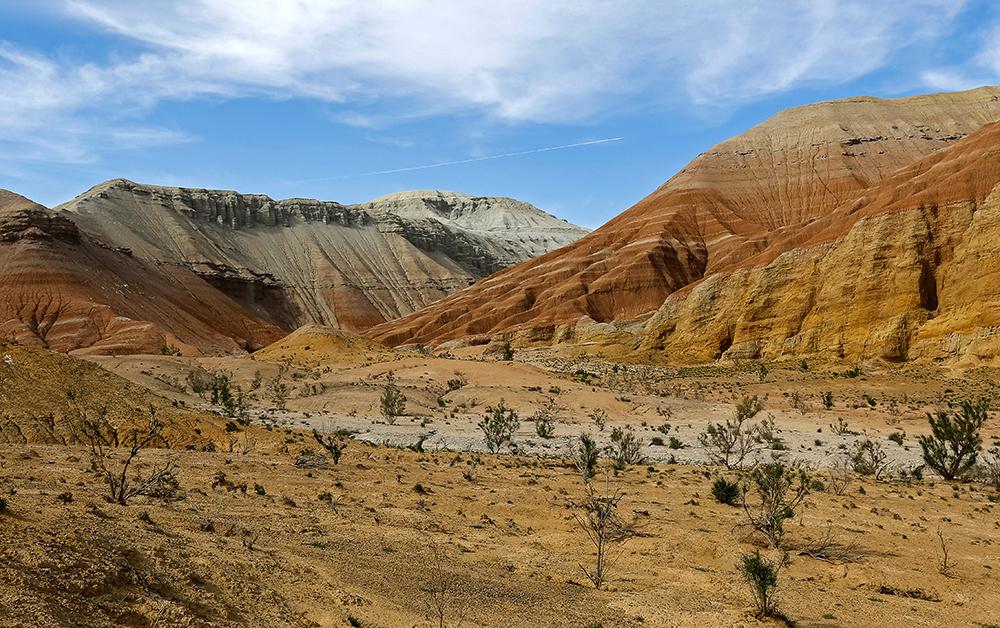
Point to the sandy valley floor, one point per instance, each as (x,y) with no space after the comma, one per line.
(254,539)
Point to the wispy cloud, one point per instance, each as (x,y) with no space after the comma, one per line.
(456,162)
(515,61)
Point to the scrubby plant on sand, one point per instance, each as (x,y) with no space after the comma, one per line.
(607,531)
(761,575)
(104,439)
(392,403)
(771,493)
(954,443)
(498,426)
(731,442)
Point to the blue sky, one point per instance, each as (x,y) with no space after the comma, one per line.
(305,97)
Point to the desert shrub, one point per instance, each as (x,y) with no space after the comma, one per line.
(841,428)
(625,448)
(506,351)
(953,445)
(725,492)
(585,456)
(605,528)
(392,403)
(332,444)
(228,396)
(498,426)
(103,438)
(762,372)
(761,575)
(164,486)
(544,427)
(442,589)
(277,389)
(868,458)
(599,418)
(457,382)
(771,493)
(838,476)
(199,381)
(544,418)
(169,349)
(897,437)
(827,398)
(731,442)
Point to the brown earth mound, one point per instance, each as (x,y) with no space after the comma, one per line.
(312,346)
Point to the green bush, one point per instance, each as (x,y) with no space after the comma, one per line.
(726,492)
(498,426)
(953,445)
(585,456)
(762,576)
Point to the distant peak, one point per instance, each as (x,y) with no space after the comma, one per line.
(410,195)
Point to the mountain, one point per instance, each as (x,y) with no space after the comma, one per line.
(299,261)
(62,290)
(835,229)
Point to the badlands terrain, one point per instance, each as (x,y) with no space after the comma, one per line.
(311,387)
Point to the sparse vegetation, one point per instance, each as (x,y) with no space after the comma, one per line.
(954,443)
(605,528)
(498,426)
(771,493)
(827,399)
(586,455)
(335,445)
(544,418)
(725,491)
(731,442)
(506,351)
(761,575)
(868,458)
(103,438)
(625,448)
(600,418)
(277,389)
(392,403)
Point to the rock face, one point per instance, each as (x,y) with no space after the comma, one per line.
(61,290)
(831,229)
(298,261)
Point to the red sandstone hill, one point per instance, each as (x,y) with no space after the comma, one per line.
(803,177)
(61,290)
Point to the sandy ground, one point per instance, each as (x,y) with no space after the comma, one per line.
(271,543)
(357,540)
(878,402)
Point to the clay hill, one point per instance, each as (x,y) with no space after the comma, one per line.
(298,261)
(847,229)
(60,289)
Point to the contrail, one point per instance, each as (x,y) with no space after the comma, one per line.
(465,161)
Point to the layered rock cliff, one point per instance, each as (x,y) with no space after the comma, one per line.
(301,261)
(820,231)
(61,290)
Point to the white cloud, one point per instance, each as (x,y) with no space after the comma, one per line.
(981,69)
(513,60)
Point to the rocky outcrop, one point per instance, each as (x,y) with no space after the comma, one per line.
(824,230)
(62,291)
(300,261)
